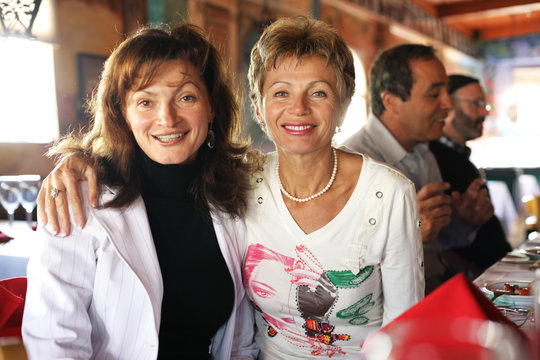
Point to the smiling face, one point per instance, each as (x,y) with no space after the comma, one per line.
(300,104)
(169,118)
(421,116)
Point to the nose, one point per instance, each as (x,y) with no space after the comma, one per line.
(299,106)
(167,115)
(446,100)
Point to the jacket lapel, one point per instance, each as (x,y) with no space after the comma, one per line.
(129,231)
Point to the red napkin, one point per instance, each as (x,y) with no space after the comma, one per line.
(448,323)
(12,295)
(4,238)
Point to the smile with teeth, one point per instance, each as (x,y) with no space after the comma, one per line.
(169,138)
(297,127)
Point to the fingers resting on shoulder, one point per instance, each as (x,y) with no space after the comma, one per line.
(61,187)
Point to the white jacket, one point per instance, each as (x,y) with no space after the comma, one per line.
(96,294)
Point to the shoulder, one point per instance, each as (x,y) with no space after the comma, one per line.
(360,141)
(381,171)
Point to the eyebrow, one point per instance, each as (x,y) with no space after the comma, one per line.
(310,83)
(435,86)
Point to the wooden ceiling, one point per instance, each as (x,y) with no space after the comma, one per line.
(486,19)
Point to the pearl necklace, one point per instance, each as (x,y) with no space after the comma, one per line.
(334,171)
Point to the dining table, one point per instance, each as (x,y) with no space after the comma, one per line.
(517,268)
(14,253)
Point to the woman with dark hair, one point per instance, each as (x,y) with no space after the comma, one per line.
(155,273)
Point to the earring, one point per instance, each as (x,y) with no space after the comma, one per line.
(338,129)
(210,138)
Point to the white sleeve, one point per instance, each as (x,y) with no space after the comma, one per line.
(402,264)
(244,346)
(61,275)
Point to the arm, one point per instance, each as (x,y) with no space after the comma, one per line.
(53,212)
(434,208)
(402,263)
(60,285)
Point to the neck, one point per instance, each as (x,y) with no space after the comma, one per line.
(401,135)
(306,176)
(450,133)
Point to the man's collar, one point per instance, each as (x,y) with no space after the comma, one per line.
(392,151)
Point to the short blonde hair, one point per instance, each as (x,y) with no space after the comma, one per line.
(298,37)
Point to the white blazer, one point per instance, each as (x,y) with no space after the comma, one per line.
(96,294)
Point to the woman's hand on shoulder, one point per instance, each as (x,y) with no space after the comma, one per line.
(53,212)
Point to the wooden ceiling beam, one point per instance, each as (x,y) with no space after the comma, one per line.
(467,7)
(509,30)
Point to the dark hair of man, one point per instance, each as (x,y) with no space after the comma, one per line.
(110,147)
(391,71)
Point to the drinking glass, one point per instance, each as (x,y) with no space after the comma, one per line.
(10,196)
(29,188)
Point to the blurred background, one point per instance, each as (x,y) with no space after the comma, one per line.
(52,51)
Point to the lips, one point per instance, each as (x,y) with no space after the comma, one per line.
(169,138)
(298,129)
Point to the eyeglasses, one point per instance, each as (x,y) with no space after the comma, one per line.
(479,103)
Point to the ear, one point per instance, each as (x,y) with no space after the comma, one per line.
(390,101)
(211,116)
(260,119)
(126,119)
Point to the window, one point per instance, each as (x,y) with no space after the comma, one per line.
(356,113)
(28,92)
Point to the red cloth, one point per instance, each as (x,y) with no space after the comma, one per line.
(449,321)
(4,237)
(12,296)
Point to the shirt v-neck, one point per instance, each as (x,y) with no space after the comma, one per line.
(320,233)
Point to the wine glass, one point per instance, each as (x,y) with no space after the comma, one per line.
(29,188)
(10,196)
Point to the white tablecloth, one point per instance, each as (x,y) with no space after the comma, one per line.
(14,254)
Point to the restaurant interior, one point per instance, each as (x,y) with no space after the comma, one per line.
(52,52)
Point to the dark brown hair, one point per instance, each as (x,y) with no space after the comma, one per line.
(110,146)
(391,71)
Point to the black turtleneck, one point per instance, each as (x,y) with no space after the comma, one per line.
(198,289)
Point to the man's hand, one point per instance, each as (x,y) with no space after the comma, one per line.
(53,211)
(435,209)
(473,206)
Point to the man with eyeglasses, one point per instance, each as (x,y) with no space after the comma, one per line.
(465,122)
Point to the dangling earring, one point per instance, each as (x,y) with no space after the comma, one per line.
(210,138)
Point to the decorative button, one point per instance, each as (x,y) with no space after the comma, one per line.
(372,221)
(260,200)
(378,194)
(259,180)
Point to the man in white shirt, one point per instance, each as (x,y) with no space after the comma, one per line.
(409,103)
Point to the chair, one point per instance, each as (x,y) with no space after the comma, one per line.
(531,204)
(509,176)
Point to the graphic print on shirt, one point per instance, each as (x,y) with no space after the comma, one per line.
(315,291)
